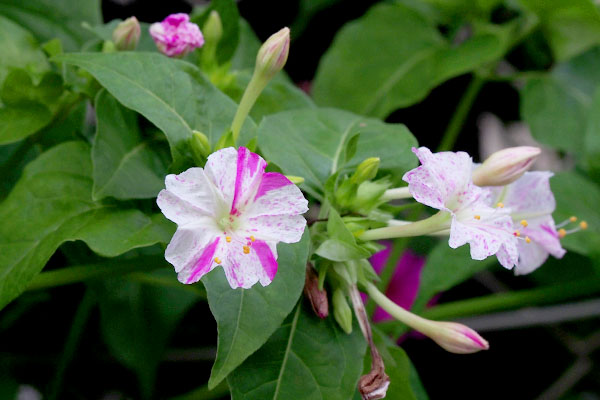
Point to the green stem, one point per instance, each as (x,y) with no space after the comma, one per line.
(81,317)
(387,272)
(396,194)
(426,226)
(507,301)
(461,114)
(255,87)
(69,275)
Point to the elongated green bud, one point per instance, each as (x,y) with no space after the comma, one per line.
(366,170)
(342,311)
(273,54)
(200,145)
(127,34)
(213,28)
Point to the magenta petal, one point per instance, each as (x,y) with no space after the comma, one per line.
(202,266)
(379,259)
(266,258)
(249,171)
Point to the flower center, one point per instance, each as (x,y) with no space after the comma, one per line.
(228,223)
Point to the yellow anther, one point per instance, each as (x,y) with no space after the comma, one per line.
(228,239)
(527,240)
(500,205)
(252,239)
(562,233)
(583,225)
(573,218)
(478,217)
(217,260)
(517,233)
(524,223)
(246,249)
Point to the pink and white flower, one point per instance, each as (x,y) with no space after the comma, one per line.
(531,203)
(443,181)
(175,36)
(231,213)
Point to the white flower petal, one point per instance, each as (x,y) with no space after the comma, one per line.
(187,246)
(277,195)
(221,169)
(250,170)
(530,195)
(259,265)
(178,210)
(194,187)
(277,228)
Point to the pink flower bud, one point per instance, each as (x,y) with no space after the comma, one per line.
(317,297)
(273,54)
(127,34)
(175,36)
(456,338)
(505,166)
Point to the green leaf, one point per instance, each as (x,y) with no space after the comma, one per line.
(18,122)
(577,195)
(311,142)
(306,357)
(557,107)
(52,203)
(19,88)
(125,165)
(230,17)
(570,27)
(247,317)
(446,268)
(279,95)
(245,54)
(342,245)
(173,94)
(392,57)
(49,19)
(19,49)
(137,320)
(592,138)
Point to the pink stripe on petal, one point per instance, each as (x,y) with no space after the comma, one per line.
(271,181)
(476,339)
(204,262)
(248,165)
(266,258)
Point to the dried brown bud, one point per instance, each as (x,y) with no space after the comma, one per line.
(317,297)
(374,385)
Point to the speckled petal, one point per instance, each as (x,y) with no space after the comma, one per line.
(529,196)
(189,190)
(187,245)
(244,270)
(279,228)
(250,168)
(544,241)
(440,178)
(221,169)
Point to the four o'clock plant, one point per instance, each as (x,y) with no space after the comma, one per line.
(254,198)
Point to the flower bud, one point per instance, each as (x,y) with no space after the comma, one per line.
(273,54)
(213,28)
(200,145)
(505,166)
(341,310)
(366,170)
(175,36)
(456,338)
(127,34)
(317,297)
(296,180)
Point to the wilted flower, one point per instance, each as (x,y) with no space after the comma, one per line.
(231,213)
(443,181)
(175,36)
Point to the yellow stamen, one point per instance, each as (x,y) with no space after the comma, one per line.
(500,205)
(517,233)
(246,249)
(524,223)
(228,239)
(583,225)
(217,260)
(527,240)
(252,239)
(562,233)
(573,218)
(478,217)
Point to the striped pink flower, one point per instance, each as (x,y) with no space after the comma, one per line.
(231,213)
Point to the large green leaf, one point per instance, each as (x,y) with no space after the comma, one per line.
(392,57)
(49,19)
(570,26)
(125,165)
(311,142)
(557,107)
(307,358)
(19,121)
(19,49)
(137,320)
(52,203)
(173,94)
(247,317)
(576,195)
